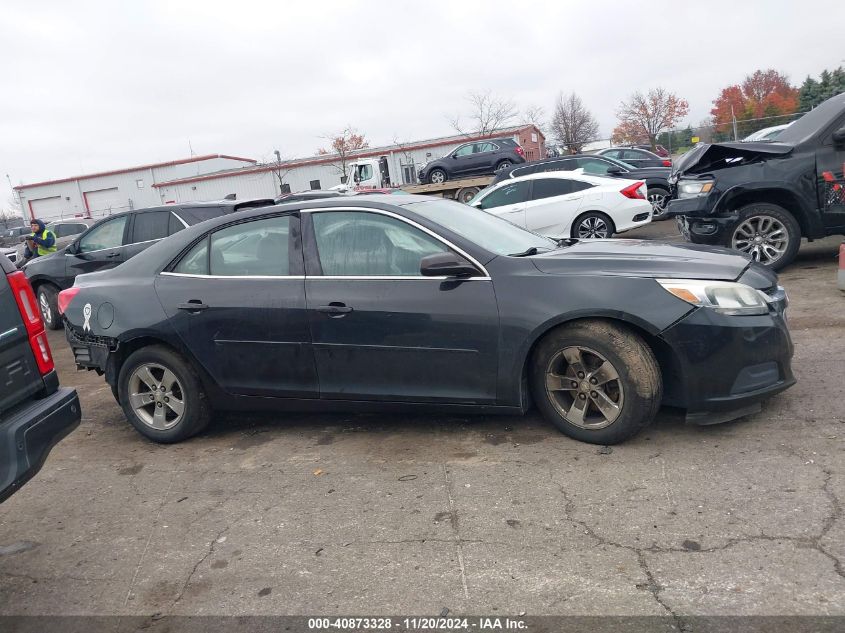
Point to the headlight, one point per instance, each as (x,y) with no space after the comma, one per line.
(725,297)
(693,188)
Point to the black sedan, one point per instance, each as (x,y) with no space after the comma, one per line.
(421,302)
(635,156)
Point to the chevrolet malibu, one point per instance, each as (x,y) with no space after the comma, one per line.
(421,303)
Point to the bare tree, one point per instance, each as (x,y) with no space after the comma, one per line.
(404,148)
(342,145)
(10,217)
(646,116)
(535,115)
(488,114)
(572,124)
(280,169)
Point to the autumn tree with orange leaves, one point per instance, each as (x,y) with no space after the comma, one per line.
(342,145)
(643,117)
(762,94)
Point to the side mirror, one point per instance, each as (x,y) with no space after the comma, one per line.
(446,264)
(839,136)
(615,169)
(72,248)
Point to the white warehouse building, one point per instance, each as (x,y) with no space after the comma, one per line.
(216,176)
(321,172)
(109,192)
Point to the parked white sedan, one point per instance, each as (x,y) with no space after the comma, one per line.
(568,204)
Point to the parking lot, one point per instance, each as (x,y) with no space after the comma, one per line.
(386,514)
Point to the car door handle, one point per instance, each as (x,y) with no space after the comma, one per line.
(112,255)
(335,309)
(193,305)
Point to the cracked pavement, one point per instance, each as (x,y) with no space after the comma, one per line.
(411,514)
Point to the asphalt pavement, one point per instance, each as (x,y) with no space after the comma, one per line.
(412,514)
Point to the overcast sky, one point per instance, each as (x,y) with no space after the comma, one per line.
(89,86)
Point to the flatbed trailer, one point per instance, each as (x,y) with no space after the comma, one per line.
(462,190)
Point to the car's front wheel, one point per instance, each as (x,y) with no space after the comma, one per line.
(48,305)
(596,381)
(592,225)
(162,396)
(768,233)
(437,176)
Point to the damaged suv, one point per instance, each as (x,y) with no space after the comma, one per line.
(762,198)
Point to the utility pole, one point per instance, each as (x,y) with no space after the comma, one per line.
(733,118)
(17,197)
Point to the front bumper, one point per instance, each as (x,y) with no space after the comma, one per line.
(725,366)
(30,433)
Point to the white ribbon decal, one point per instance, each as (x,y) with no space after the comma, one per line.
(86,312)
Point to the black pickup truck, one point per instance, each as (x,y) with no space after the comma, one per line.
(35,413)
(762,198)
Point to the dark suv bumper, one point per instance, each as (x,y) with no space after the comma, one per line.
(727,365)
(696,223)
(30,432)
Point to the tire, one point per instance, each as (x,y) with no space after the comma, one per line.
(466,194)
(170,426)
(505,164)
(592,219)
(438,176)
(659,199)
(630,399)
(48,304)
(767,232)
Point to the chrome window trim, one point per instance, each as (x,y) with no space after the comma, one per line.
(439,238)
(178,217)
(170,274)
(111,248)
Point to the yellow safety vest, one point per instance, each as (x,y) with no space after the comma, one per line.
(45,250)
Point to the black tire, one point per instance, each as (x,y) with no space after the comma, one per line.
(196,410)
(638,379)
(754,213)
(466,194)
(47,296)
(431,176)
(654,193)
(505,164)
(596,215)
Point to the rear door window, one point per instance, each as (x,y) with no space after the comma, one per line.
(550,187)
(257,248)
(150,226)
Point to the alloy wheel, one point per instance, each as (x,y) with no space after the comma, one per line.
(763,237)
(592,227)
(503,165)
(156,396)
(437,177)
(44,305)
(658,204)
(584,387)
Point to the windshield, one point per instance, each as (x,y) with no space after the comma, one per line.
(812,122)
(488,231)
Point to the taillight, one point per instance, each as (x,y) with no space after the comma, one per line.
(633,191)
(28,308)
(520,151)
(667,163)
(65,297)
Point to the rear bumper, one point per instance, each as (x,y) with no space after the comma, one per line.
(30,433)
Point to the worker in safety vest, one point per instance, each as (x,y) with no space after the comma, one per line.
(41,242)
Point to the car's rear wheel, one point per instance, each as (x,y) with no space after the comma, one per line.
(48,305)
(596,381)
(768,233)
(466,194)
(659,199)
(505,164)
(592,225)
(162,396)
(437,176)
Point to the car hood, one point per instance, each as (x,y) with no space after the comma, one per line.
(707,157)
(643,258)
